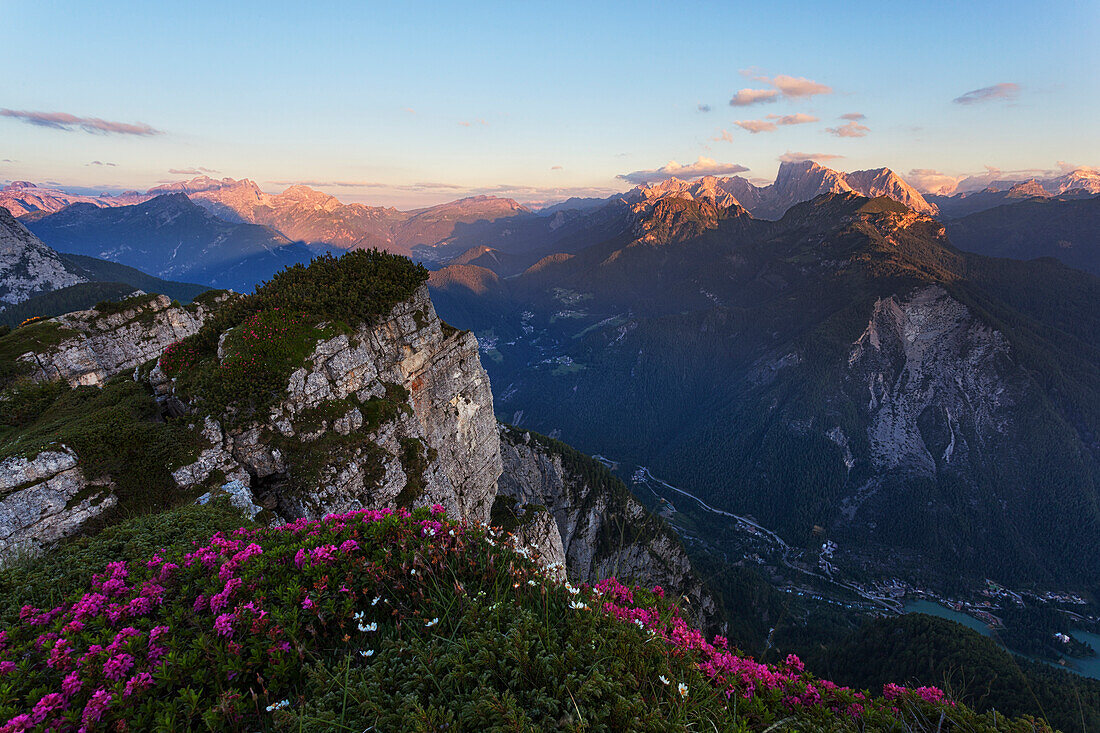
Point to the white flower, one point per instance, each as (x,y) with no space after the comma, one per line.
(638,623)
(376,600)
(366,653)
(577,605)
(358,615)
(372,626)
(663,679)
(432,623)
(682,689)
(571,589)
(278,705)
(412,571)
(531,582)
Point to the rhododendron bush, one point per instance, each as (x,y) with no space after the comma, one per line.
(395,621)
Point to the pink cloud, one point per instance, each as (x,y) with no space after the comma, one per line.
(850,129)
(701,167)
(66,121)
(745,97)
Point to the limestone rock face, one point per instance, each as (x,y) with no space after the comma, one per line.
(27,266)
(98,346)
(44,499)
(603,531)
(440,425)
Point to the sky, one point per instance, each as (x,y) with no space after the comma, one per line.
(414,103)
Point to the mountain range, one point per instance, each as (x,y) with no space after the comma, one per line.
(845,367)
(172,237)
(36,280)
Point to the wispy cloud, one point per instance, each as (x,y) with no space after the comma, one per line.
(555,167)
(745,97)
(774,121)
(701,167)
(1005,91)
(854,116)
(8,160)
(410,110)
(703,108)
(723,136)
(100,162)
(65,121)
(196,171)
(789,157)
(849,129)
(783,87)
(466,123)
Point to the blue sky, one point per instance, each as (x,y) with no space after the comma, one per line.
(410,103)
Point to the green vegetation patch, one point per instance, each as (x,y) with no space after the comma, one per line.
(40,337)
(271,333)
(115,431)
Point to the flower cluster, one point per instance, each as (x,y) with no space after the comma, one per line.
(222,635)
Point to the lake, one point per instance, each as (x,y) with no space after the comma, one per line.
(1085,667)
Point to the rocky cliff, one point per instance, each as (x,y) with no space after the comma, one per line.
(91,346)
(399,412)
(601,529)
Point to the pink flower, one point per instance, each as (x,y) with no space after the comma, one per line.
(116,667)
(224,624)
(95,707)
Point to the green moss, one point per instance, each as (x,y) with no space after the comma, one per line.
(40,337)
(507,514)
(111,307)
(414,462)
(115,431)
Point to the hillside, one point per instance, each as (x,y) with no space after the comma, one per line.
(1067,230)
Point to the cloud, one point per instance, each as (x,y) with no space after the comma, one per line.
(701,167)
(196,171)
(774,121)
(849,129)
(703,108)
(65,121)
(796,87)
(8,160)
(789,157)
(928,180)
(745,97)
(755,126)
(410,110)
(784,87)
(854,116)
(481,122)
(555,167)
(723,136)
(1007,91)
(100,162)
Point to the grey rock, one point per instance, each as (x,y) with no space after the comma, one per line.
(44,499)
(648,552)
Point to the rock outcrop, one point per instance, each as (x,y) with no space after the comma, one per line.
(46,498)
(399,412)
(602,530)
(96,346)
